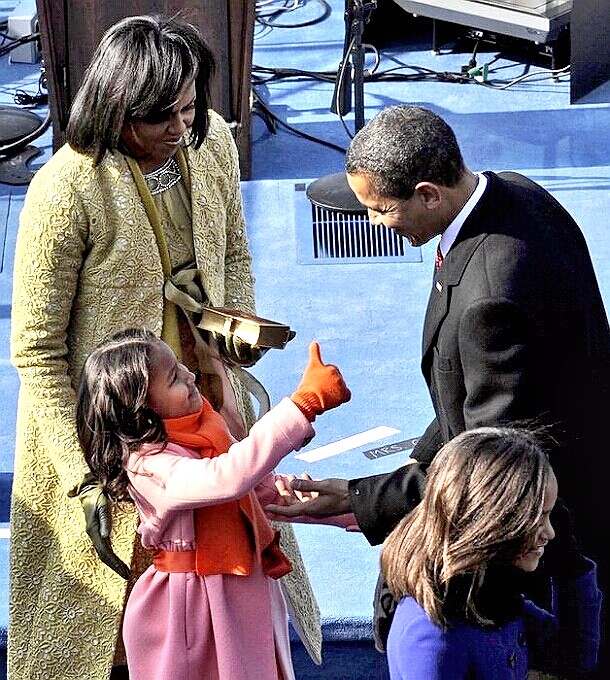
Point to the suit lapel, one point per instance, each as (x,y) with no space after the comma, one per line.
(436,310)
(471,234)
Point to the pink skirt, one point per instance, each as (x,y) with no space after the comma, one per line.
(186,627)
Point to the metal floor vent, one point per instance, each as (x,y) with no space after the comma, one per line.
(328,236)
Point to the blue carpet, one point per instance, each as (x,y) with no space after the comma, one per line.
(366,315)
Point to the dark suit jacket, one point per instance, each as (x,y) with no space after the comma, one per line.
(515,332)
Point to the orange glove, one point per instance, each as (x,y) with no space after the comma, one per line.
(321,388)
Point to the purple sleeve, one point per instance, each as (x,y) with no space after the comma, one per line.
(566,640)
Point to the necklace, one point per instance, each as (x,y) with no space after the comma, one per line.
(163,178)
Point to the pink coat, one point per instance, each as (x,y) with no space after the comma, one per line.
(219,627)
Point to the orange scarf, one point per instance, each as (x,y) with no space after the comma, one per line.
(227,535)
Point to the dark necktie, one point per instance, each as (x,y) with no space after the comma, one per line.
(439,259)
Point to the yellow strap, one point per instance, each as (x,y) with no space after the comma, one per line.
(170,333)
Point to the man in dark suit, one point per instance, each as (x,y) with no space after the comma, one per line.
(515,330)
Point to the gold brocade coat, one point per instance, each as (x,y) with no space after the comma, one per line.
(86,265)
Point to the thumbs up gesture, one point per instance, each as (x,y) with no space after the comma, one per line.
(322,386)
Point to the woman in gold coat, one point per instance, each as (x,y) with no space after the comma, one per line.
(148,183)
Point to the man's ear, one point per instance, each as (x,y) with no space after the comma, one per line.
(429,194)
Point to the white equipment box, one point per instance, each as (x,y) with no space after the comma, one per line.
(23,21)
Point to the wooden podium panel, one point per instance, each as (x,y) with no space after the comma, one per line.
(71,29)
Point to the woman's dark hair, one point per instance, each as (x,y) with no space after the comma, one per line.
(483,500)
(112,417)
(402,146)
(139,68)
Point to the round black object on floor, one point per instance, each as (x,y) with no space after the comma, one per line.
(14,168)
(16,123)
(332,192)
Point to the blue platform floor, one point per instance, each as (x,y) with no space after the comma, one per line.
(367,315)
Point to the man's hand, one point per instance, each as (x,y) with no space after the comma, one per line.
(318,498)
(97,517)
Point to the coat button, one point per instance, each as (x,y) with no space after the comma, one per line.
(521,641)
(512,660)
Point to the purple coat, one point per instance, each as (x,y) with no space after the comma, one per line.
(538,639)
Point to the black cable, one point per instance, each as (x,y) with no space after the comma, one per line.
(24,98)
(341,103)
(533,75)
(261,75)
(473,59)
(271,121)
(275,74)
(16,42)
(419,73)
(283,10)
(27,99)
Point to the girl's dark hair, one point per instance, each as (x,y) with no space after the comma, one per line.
(484,498)
(112,417)
(139,68)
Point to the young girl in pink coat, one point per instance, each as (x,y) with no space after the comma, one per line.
(210,606)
